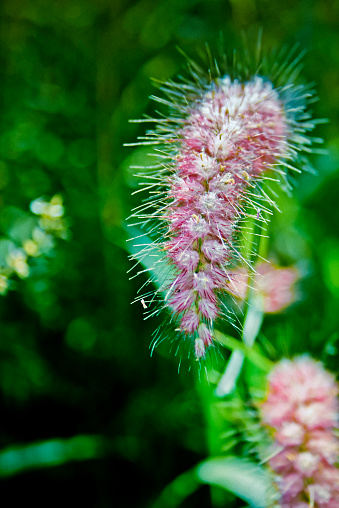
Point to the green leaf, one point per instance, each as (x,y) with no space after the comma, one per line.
(49,453)
(239,476)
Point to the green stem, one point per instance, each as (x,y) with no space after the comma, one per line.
(251,326)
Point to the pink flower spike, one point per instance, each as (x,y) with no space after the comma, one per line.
(305,466)
(218,143)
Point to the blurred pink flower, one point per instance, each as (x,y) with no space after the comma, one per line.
(273,286)
(301,412)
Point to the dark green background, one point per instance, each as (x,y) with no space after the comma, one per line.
(74,356)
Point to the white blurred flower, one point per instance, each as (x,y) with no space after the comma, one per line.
(17,260)
(51,215)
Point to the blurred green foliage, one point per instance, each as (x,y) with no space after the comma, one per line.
(79,390)
(49,453)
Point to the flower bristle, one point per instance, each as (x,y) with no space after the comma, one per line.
(225,135)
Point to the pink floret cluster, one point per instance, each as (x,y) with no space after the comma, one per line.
(232,135)
(301,411)
(273,286)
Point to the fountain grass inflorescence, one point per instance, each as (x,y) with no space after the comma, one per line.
(221,141)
